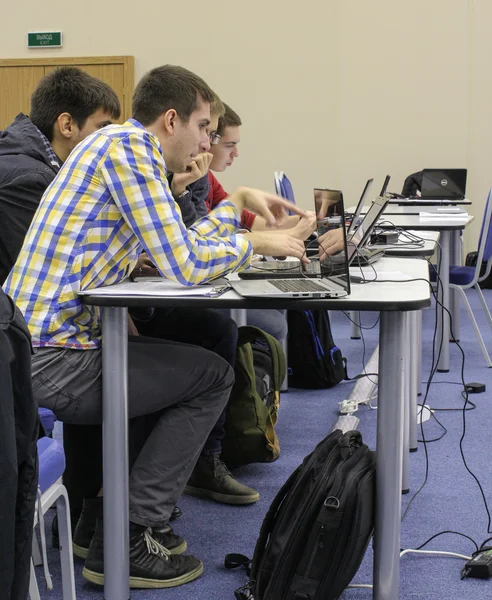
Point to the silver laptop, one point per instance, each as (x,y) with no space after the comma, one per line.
(355,219)
(358,240)
(328,278)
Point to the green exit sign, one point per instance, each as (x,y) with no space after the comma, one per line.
(45,39)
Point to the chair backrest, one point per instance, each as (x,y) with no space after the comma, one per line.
(485,239)
(283,187)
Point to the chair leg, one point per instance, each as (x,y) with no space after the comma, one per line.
(484,304)
(36,552)
(33,584)
(66,552)
(475,326)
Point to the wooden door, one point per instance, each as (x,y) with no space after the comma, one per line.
(18,79)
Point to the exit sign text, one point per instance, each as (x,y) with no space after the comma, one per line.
(46,39)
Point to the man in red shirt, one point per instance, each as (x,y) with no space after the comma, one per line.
(224,152)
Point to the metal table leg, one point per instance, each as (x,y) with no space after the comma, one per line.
(355,325)
(415,375)
(454,295)
(240,315)
(115,453)
(419,352)
(389,456)
(405,479)
(443,295)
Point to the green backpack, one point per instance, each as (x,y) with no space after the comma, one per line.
(253,407)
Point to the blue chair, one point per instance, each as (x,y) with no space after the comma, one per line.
(47,420)
(51,491)
(283,187)
(462,278)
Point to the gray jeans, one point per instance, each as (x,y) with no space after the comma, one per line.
(184,387)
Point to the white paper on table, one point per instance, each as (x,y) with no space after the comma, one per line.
(368,274)
(158,287)
(443,215)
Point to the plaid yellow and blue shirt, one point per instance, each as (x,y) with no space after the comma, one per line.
(110,201)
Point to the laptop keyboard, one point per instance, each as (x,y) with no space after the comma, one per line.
(297,285)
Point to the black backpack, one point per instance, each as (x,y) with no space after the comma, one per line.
(315,362)
(318,527)
(471,261)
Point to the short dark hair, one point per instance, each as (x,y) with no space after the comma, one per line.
(70,90)
(165,88)
(229,119)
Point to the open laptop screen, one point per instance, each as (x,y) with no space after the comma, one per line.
(331,240)
(363,232)
(443,183)
(360,206)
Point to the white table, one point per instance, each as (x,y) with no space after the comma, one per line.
(394,300)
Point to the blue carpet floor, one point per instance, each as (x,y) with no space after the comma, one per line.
(450,500)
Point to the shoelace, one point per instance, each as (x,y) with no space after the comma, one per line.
(154,547)
(220,468)
(47,575)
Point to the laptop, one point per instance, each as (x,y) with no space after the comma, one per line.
(385,185)
(357,250)
(443,184)
(355,218)
(326,279)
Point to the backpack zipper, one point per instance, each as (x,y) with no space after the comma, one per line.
(320,542)
(317,343)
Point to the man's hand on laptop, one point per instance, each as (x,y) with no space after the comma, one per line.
(305,227)
(330,243)
(272,208)
(197,169)
(281,244)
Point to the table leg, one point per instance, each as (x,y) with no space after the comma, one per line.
(443,295)
(115,453)
(407,350)
(419,353)
(415,375)
(389,456)
(454,295)
(355,325)
(240,316)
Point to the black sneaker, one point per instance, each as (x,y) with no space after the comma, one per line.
(177,512)
(151,564)
(212,479)
(92,510)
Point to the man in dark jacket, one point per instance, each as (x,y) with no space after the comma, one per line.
(19,427)
(67,106)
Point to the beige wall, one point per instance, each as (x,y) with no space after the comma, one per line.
(330,91)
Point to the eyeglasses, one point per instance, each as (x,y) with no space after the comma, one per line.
(214,138)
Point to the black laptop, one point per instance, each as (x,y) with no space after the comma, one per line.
(443,184)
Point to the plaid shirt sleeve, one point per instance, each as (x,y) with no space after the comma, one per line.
(134,172)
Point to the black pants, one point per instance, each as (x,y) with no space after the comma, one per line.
(19,429)
(83,443)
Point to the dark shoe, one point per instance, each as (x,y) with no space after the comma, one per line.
(92,510)
(212,479)
(177,512)
(152,565)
